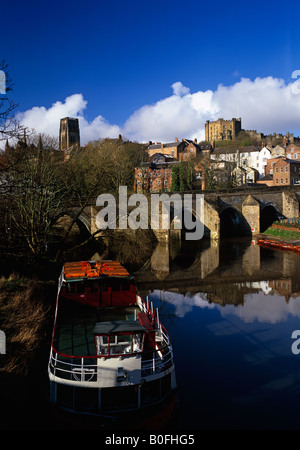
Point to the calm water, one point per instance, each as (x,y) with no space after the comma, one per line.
(230,310)
(231,313)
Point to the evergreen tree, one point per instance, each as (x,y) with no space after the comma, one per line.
(175,178)
(182,178)
(189,177)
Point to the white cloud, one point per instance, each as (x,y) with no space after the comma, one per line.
(265,104)
(179,89)
(47,121)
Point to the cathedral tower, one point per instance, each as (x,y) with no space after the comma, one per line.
(68,133)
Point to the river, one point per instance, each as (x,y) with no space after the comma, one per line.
(230,308)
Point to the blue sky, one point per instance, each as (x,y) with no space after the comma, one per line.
(122,58)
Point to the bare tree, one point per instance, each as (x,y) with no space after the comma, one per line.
(9,126)
(34,196)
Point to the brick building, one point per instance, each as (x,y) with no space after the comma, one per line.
(156,176)
(286,172)
(270,164)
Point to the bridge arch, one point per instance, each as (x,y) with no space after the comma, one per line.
(269,213)
(63,221)
(231,222)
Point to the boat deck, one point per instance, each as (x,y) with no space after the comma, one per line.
(76,322)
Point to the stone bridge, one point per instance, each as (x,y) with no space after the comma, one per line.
(231,212)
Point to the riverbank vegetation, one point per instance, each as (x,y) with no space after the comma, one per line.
(25,306)
(284,234)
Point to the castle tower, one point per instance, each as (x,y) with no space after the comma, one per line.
(68,133)
(222,129)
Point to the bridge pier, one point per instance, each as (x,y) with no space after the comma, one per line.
(251,213)
(160,260)
(211,221)
(290,205)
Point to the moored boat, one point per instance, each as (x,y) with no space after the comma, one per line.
(110,355)
(279,245)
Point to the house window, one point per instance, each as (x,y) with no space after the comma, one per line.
(295,155)
(276,169)
(276,181)
(286,180)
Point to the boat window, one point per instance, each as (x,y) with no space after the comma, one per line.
(102,345)
(119,344)
(137,342)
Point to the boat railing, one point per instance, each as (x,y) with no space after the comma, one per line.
(161,332)
(158,362)
(78,369)
(84,370)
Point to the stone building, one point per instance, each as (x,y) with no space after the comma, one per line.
(172,148)
(222,129)
(69,135)
(278,150)
(191,150)
(293,152)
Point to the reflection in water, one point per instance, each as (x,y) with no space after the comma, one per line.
(230,308)
(231,313)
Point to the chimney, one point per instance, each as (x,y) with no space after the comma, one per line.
(161,145)
(176,139)
(195,141)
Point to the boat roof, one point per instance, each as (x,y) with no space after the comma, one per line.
(93,269)
(118,326)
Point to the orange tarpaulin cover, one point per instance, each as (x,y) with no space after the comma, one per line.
(91,269)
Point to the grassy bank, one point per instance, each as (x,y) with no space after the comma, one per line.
(26,317)
(25,305)
(285,235)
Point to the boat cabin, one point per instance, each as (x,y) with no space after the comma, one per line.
(98,284)
(119,337)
